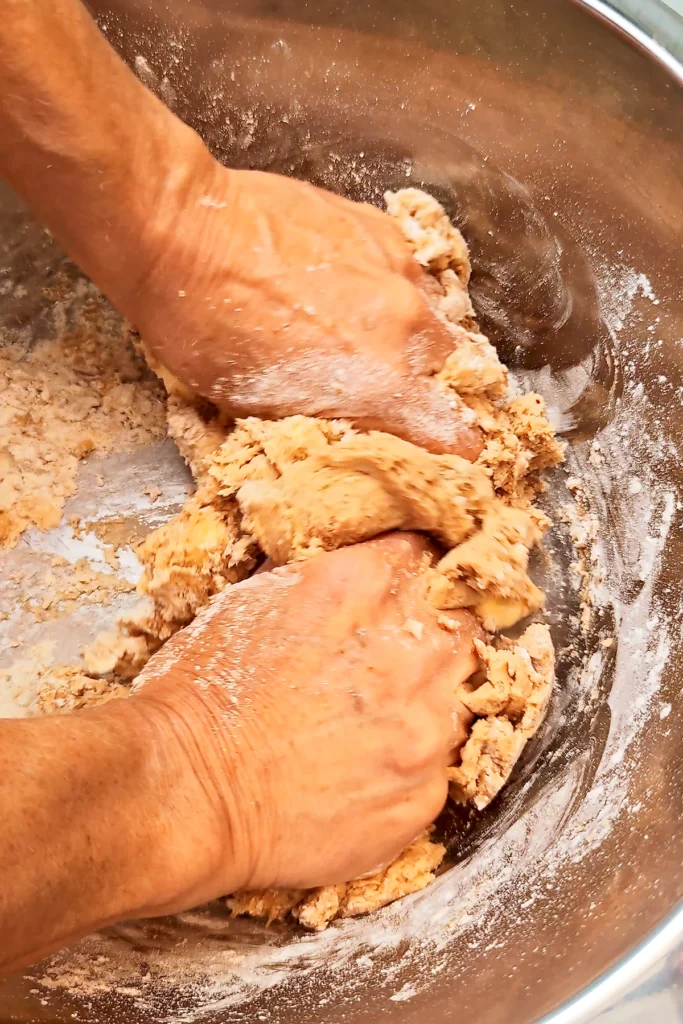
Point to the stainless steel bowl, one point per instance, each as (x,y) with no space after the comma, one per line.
(553,132)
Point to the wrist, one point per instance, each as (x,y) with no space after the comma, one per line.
(95,828)
(181,174)
(194,198)
(183,799)
(98,158)
(158,181)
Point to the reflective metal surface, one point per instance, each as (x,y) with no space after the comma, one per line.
(556,141)
(660,19)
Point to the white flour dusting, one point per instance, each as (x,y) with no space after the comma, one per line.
(145,964)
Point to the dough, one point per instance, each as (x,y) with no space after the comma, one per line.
(512,703)
(412,871)
(295,487)
(488,571)
(82,391)
(358,488)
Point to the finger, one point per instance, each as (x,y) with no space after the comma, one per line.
(406,549)
(449,684)
(399,827)
(425,416)
(419,660)
(344,592)
(433,798)
(460,628)
(461,663)
(435,338)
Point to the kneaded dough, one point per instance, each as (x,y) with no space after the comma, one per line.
(292,488)
(314,909)
(358,488)
(511,705)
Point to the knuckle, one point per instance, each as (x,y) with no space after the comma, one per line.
(409,303)
(420,744)
(435,795)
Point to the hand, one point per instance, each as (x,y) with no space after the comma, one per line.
(271,297)
(316,709)
(266,295)
(296,734)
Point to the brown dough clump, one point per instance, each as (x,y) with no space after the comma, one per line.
(511,705)
(409,873)
(358,488)
(488,571)
(289,489)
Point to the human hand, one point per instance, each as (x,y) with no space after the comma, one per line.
(315,709)
(271,297)
(265,295)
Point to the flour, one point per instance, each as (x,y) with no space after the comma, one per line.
(82,390)
(469,899)
(174,971)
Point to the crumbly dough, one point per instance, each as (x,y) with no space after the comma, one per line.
(315,908)
(289,489)
(436,243)
(67,688)
(510,706)
(61,399)
(190,559)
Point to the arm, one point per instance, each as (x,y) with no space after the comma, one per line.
(94,154)
(266,295)
(295,735)
(88,804)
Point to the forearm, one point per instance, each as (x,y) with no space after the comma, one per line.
(89,148)
(92,812)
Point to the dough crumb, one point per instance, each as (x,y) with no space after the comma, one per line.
(473,368)
(83,391)
(320,907)
(62,591)
(112,654)
(519,443)
(510,706)
(67,688)
(272,904)
(409,873)
(436,243)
